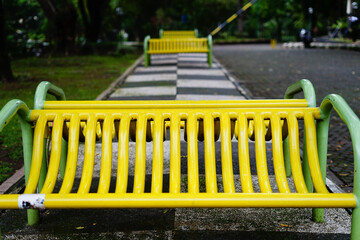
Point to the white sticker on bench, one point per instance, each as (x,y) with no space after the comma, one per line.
(31,201)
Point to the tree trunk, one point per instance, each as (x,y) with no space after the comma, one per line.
(240,19)
(278,29)
(92,13)
(62,16)
(6,73)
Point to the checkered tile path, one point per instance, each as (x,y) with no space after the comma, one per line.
(177,77)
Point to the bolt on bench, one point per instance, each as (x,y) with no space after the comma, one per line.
(208,121)
(178,33)
(177,45)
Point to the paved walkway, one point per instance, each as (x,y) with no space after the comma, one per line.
(177,77)
(267,72)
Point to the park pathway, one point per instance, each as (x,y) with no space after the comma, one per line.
(177,77)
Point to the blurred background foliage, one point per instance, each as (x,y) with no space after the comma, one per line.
(82,26)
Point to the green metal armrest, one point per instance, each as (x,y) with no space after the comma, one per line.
(45,88)
(334,101)
(42,90)
(12,108)
(304,86)
(18,107)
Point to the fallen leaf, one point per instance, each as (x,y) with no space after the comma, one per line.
(284,225)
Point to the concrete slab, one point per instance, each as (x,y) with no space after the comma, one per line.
(150,77)
(155,69)
(208,97)
(212,72)
(204,84)
(145,91)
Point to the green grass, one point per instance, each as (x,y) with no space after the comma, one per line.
(81,78)
(5,170)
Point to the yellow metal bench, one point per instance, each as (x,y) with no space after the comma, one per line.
(178,33)
(275,120)
(177,45)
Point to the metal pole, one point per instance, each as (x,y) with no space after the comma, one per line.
(232,17)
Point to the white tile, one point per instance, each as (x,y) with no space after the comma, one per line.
(156,68)
(210,71)
(205,84)
(207,97)
(145,91)
(150,77)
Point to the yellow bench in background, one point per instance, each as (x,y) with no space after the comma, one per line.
(177,45)
(178,33)
(142,121)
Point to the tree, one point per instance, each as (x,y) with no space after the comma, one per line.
(5,67)
(240,18)
(62,17)
(92,14)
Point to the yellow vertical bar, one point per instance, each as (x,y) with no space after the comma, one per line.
(312,151)
(192,148)
(157,167)
(295,161)
(175,154)
(210,161)
(37,155)
(140,155)
(260,153)
(73,148)
(54,163)
(88,166)
(123,155)
(106,155)
(278,156)
(244,161)
(226,154)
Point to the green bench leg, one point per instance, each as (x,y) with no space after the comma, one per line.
(63,158)
(287,157)
(147,60)
(318,215)
(210,59)
(355,229)
(33,216)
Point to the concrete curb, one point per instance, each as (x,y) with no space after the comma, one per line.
(120,80)
(12,182)
(323,45)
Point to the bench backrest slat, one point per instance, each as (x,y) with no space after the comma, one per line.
(179,34)
(178,45)
(149,124)
(175,104)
